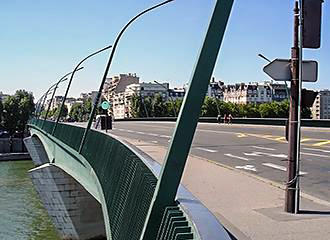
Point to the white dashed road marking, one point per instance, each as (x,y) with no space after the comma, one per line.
(316,149)
(247,167)
(278,167)
(315,155)
(238,157)
(206,150)
(264,148)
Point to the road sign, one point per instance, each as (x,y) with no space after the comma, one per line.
(280,70)
(105,105)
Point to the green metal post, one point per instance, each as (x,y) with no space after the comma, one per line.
(69,84)
(178,151)
(98,96)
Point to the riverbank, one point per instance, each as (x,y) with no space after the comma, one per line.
(15,156)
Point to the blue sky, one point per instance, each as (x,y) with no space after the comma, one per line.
(42,40)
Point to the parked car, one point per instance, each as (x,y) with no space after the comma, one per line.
(4,134)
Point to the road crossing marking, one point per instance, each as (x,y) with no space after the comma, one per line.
(316,149)
(153,134)
(264,148)
(278,167)
(247,167)
(280,138)
(258,154)
(321,143)
(238,157)
(240,135)
(164,136)
(315,155)
(206,150)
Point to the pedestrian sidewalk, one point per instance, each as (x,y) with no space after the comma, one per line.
(248,206)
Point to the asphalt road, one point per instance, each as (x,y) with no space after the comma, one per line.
(260,150)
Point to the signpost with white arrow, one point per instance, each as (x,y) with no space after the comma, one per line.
(280,70)
(307,31)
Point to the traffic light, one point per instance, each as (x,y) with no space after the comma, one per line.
(308,97)
(312,12)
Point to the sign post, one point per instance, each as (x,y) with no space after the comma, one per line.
(105,105)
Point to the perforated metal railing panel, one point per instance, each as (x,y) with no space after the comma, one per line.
(175,225)
(128,184)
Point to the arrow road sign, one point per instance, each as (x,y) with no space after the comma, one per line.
(280,70)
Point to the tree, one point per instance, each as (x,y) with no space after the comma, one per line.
(56,112)
(306,113)
(1,112)
(17,110)
(76,112)
(209,107)
(158,106)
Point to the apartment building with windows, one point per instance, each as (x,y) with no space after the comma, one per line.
(321,106)
(242,93)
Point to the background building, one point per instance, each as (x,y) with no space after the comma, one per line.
(242,93)
(215,89)
(321,106)
(3,96)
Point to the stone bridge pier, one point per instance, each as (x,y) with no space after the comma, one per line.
(75,213)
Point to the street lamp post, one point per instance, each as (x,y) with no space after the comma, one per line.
(43,101)
(168,91)
(92,114)
(70,81)
(55,86)
(64,78)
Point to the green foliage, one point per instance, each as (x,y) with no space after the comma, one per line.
(17,110)
(56,111)
(80,111)
(212,107)
(1,112)
(154,106)
(209,107)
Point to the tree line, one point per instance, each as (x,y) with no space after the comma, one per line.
(15,111)
(79,112)
(155,106)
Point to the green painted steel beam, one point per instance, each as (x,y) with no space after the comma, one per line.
(178,151)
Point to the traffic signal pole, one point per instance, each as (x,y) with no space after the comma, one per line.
(291,201)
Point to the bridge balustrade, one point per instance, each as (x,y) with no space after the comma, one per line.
(128,184)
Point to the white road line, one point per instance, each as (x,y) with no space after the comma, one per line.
(153,134)
(258,154)
(252,154)
(316,149)
(278,167)
(315,155)
(140,133)
(234,156)
(164,136)
(247,167)
(264,148)
(129,131)
(154,141)
(206,150)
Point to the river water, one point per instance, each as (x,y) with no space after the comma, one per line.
(22,215)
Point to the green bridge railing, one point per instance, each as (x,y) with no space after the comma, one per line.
(128,185)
